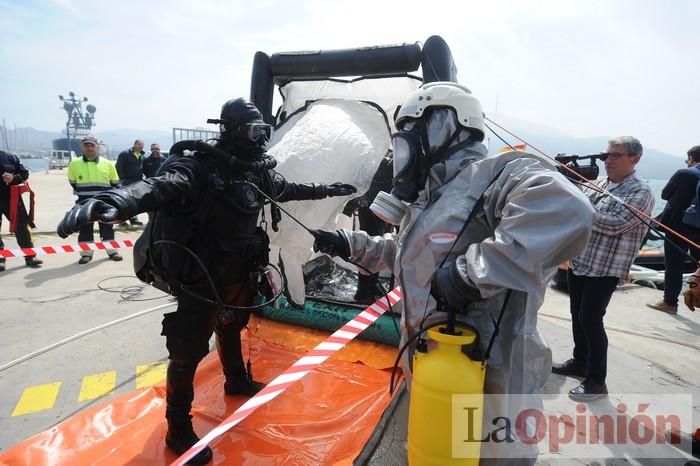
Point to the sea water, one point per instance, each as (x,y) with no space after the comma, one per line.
(657,186)
(35,165)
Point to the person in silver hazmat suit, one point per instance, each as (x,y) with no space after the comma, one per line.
(530,219)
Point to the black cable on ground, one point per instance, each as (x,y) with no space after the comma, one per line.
(128,293)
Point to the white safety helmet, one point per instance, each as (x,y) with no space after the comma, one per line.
(444,94)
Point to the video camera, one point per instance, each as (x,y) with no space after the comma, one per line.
(589,171)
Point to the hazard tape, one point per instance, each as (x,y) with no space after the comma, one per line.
(21,252)
(297,371)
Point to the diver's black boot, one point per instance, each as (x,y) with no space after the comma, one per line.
(238,380)
(179,396)
(242,384)
(181,437)
(367,289)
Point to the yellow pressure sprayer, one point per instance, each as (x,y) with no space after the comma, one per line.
(442,430)
(449,363)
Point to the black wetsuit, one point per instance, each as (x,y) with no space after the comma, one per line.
(214,210)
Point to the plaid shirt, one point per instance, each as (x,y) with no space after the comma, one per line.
(617,233)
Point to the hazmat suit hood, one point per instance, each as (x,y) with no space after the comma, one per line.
(445,171)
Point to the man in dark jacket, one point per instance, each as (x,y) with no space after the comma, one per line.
(208,204)
(152,163)
(14,173)
(678,193)
(130,169)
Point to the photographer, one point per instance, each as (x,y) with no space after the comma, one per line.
(594,274)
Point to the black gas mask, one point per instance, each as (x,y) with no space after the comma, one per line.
(410,164)
(419,145)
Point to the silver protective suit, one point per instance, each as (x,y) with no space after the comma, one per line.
(532,220)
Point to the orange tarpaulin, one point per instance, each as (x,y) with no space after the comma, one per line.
(325,418)
(305,339)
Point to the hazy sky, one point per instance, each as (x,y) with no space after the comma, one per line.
(585,68)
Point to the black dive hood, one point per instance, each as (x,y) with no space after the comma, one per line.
(265,163)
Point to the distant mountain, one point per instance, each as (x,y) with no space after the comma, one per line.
(655,164)
(29,140)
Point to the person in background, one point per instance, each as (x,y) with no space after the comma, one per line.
(90,175)
(678,193)
(594,274)
(130,170)
(13,174)
(152,163)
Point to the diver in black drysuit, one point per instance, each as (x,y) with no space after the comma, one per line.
(209,203)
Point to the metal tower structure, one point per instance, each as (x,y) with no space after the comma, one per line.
(77,119)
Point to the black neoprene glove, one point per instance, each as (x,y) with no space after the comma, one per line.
(449,286)
(108,207)
(355,204)
(339,189)
(332,243)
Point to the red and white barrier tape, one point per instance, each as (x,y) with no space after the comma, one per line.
(299,369)
(20,252)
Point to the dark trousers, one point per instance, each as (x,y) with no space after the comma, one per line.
(187,332)
(674,257)
(22,233)
(127,182)
(86,235)
(589,299)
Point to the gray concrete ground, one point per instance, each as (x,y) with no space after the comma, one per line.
(39,307)
(650,352)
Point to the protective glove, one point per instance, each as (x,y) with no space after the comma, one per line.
(332,243)
(448,285)
(691,296)
(355,204)
(340,189)
(108,207)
